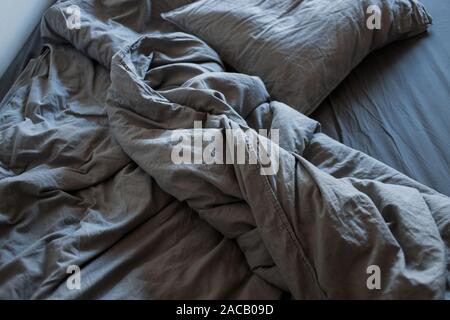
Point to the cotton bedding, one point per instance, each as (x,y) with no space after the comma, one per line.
(395,106)
(87,179)
(301,49)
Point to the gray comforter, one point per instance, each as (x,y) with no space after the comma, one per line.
(87,179)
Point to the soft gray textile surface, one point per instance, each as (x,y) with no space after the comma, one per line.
(301,49)
(86,178)
(31,49)
(395,106)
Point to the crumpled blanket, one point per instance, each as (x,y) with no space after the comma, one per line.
(87,178)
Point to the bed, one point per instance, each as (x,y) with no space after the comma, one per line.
(396,105)
(95,184)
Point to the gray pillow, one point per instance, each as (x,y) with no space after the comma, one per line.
(301,49)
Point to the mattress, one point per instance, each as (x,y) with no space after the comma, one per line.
(396,105)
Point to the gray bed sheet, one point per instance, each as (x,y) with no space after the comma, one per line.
(396,105)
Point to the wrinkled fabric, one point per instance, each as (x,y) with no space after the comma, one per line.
(87,179)
(301,49)
(395,106)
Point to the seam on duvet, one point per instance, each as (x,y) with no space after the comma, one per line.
(286,225)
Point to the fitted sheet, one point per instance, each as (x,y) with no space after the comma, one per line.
(395,106)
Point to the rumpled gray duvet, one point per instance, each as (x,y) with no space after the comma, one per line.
(86,179)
